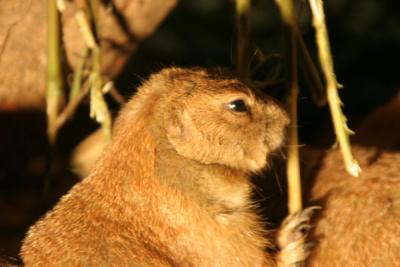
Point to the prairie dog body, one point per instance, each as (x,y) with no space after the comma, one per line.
(359,225)
(172,188)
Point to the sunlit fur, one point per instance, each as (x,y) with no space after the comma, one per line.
(359,225)
(172,188)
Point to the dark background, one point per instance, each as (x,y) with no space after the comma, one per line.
(365,40)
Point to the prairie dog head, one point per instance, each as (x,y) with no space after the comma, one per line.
(213,118)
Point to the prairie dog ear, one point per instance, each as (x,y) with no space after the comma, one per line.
(184,136)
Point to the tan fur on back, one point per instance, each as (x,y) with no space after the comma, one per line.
(360,220)
(172,188)
(359,224)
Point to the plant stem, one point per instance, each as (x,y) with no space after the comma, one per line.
(54,80)
(78,75)
(94,7)
(293,165)
(98,105)
(325,57)
(317,89)
(70,109)
(243,8)
(293,162)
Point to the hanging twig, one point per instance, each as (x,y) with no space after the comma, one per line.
(78,76)
(317,89)
(70,109)
(293,161)
(243,8)
(117,96)
(84,27)
(54,80)
(293,165)
(98,106)
(325,57)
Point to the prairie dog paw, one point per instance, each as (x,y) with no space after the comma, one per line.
(294,248)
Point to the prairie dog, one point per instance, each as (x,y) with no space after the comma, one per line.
(172,188)
(359,225)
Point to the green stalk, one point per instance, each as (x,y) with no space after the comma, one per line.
(54,79)
(243,8)
(94,8)
(325,57)
(78,76)
(317,89)
(98,106)
(293,162)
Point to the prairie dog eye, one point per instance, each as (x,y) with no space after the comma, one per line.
(238,105)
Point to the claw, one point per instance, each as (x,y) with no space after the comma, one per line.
(292,238)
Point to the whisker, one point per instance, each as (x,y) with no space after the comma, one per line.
(299,145)
(277,180)
(282,154)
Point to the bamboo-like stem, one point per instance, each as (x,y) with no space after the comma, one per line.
(98,106)
(325,57)
(293,162)
(117,96)
(317,89)
(85,29)
(243,8)
(94,8)
(54,80)
(70,109)
(288,16)
(287,11)
(109,87)
(78,75)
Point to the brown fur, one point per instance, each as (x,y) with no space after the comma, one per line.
(360,222)
(172,188)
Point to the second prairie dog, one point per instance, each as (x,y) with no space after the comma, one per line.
(173,187)
(359,225)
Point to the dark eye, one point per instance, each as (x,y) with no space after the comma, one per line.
(238,106)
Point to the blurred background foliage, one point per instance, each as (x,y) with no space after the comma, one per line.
(365,41)
(364,35)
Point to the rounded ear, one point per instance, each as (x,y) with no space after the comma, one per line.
(184,136)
